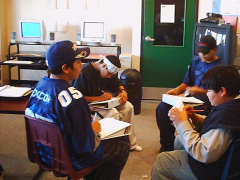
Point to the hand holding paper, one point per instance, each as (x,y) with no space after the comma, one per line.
(105,96)
(96,127)
(123,97)
(177,116)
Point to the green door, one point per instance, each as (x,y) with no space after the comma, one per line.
(165,57)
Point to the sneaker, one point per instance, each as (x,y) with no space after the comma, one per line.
(137,148)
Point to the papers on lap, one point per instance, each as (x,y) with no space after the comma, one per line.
(14,92)
(112,128)
(108,104)
(177,101)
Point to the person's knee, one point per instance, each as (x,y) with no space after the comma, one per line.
(163,108)
(129,105)
(114,111)
(157,168)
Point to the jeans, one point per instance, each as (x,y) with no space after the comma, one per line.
(172,165)
(115,157)
(165,126)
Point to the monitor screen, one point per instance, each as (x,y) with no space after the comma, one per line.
(30,31)
(93,32)
(225,38)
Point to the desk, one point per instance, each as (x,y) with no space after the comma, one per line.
(38,58)
(13,107)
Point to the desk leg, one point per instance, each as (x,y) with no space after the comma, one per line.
(9,75)
(18,75)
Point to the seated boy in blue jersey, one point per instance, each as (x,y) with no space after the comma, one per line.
(98,81)
(207,59)
(202,147)
(55,100)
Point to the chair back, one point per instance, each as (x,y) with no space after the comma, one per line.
(49,134)
(232,167)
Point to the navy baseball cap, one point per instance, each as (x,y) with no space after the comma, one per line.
(59,53)
(206,44)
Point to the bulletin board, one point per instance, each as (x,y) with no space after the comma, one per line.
(169,22)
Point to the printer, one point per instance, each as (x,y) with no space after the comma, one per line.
(213,18)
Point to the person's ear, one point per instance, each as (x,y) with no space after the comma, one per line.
(215,50)
(104,65)
(223,91)
(65,68)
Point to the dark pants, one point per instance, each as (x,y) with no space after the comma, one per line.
(165,126)
(115,156)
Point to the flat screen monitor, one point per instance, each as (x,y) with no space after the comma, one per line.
(93,32)
(30,30)
(225,36)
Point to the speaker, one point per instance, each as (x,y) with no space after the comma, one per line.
(113,39)
(13,37)
(78,42)
(52,36)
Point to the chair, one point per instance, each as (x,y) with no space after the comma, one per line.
(232,167)
(49,134)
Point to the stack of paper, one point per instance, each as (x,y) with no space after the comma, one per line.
(177,101)
(112,128)
(14,92)
(108,104)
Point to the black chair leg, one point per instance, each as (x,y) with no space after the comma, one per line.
(39,173)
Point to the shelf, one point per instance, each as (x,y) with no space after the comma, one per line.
(36,56)
(34,65)
(101,45)
(30,43)
(27,54)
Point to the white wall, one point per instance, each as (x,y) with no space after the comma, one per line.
(64,17)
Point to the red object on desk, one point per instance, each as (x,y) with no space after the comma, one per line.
(13,107)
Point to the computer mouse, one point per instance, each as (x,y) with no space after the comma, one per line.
(40,62)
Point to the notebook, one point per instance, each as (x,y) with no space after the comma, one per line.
(112,128)
(14,92)
(108,104)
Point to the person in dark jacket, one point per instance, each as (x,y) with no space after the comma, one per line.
(203,143)
(207,51)
(55,100)
(99,82)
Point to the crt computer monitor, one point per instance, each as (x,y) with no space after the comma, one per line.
(93,32)
(225,36)
(31,30)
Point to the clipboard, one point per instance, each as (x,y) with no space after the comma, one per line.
(108,104)
(112,128)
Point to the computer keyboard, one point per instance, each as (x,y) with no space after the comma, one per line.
(32,43)
(17,62)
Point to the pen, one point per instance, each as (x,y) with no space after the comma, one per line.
(196,110)
(94,118)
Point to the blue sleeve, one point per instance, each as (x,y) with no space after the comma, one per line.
(189,78)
